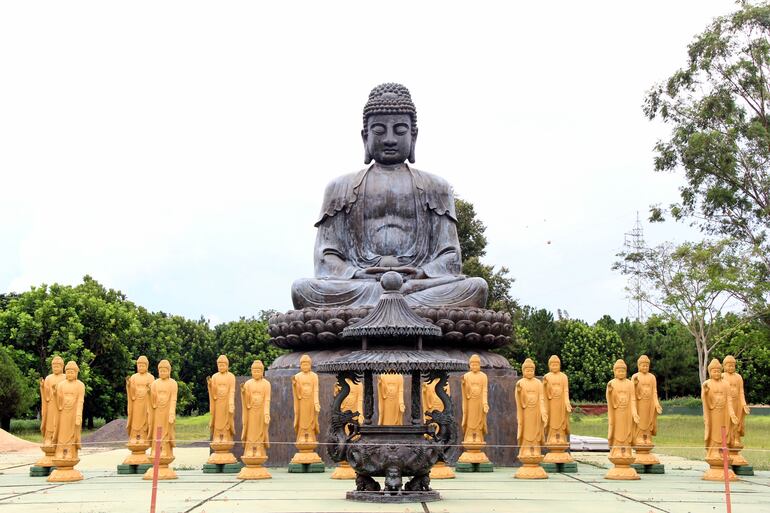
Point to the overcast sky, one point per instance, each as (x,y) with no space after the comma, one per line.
(178,151)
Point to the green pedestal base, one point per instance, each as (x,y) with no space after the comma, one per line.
(560,468)
(141,469)
(40,471)
(129,470)
(306,468)
(743,470)
(649,469)
(474,467)
(229,468)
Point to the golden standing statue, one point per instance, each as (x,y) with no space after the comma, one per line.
(70,395)
(740,407)
(432,402)
(306,410)
(390,400)
(475,409)
(255,409)
(221,388)
(532,416)
(353,402)
(48,410)
(718,415)
(138,425)
(556,396)
(623,421)
(648,407)
(162,412)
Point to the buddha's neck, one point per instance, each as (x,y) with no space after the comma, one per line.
(393,167)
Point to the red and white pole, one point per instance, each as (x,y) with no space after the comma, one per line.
(156,466)
(726,461)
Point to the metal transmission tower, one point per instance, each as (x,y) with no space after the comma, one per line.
(633,244)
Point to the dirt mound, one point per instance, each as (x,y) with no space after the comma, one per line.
(111,434)
(10,443)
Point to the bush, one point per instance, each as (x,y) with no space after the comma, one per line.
(587,358)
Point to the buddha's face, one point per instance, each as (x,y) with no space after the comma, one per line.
(715,372)
(620,372)
(57,367)
(257,371)
(304,365)
(475,365)
(71,374)
(164,372)
(222,366)
(141,367)
(554,366)
(529,372)
(644,367)
(389,139)
(729,367)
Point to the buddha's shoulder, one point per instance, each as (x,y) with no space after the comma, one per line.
(432,180)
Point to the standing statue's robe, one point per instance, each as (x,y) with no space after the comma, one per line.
(138,393)
(390,400)
(530,410)
(404,214)
(475,390)
(621,408)
(717,414)
(556,387)
(221,400)
(69,401)
(305,388)
(255,404)
(646,386)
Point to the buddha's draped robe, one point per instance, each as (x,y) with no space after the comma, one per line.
(717,412)
(390,399)
(69,401)
(474,390)
(737,401)
(49,412)
(221,402)
(621,408)
(305,388)
(556,396)
(646,387)
(163,396)
(255,403)
(530,410)
(138,392)
(404,214)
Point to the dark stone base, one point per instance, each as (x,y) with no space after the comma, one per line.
(474,467)
(306,468)
(126,470)
(40,471)
(743,470)
(403,496)
(501,419)
(230,468)
(560,468)
(649,469)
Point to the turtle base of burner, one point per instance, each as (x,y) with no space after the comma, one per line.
(386,497)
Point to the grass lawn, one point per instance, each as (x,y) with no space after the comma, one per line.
(30,429)
(682,435)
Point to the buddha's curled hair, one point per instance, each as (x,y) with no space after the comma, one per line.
(390,98)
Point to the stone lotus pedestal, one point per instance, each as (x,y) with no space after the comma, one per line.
(716,471)
(644,455)
(530,468)
(343,471)
(164,471)
(306,459)
(254,469)
(138,454)
(736,458)
(557,453)
(65,471)
(622,458)
(442,471)
(473,458)
(222,454)
(47,459)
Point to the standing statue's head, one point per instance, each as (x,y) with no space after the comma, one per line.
(57,365)
(164,369)
(715,370)
(554,364)
(223,364)
(620,369)
(305,363)
(71,370)
(643,364)
(729,364)
(257,369)
(528,368)
(142,364)
(390,125)
(474,362)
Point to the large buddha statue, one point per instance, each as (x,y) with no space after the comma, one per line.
(388,217)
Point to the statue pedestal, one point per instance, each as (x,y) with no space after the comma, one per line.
(716,471)
(644,455)
(622,458)
(441,471)
(164,472)
(736,458)
(531,468)
(306,460)
(343,471)
(65,471)
(222,454)
(254,469)
(557,454)
(47,459)
(138,454)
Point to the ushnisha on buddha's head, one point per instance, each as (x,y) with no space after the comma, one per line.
(390,125)
(474,362)
(554,364)
(729,364)
(257,369)
(715,370)
(71,371)
(142,364)
(57,365)
(223,364)
(164,369)
(305,363)
(528,368)
(620,369)
(643,364)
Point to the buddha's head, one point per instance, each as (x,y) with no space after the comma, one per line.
(474,363)
(729,364)
(257,369)
(142,364)
(305,363)
(71,371)
(223,364)
(643,364)
(164,369)
(57,365)
(715,370)
(620,369)
(390,125)
(528,368)
(554,364)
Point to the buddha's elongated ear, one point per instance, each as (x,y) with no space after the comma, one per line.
(367,155)
(411,150)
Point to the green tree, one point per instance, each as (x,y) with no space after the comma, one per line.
(749,341)
(718,107)
(16,393)
(544,339)
(588,355)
